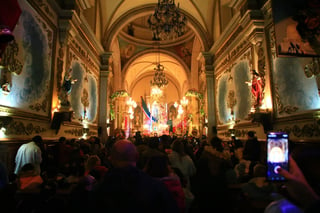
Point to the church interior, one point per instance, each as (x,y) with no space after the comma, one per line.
(82,68)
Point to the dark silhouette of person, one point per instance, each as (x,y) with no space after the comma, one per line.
(126,188)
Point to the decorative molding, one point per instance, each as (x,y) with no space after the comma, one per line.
(267,12)
(272,41)
(43,105)
(281,108)
(237,132)
(9,58)
(79,132)
(59,72)
(64,28)
(307,130)
(106,61)
(19,128)
(44,7)
(233,54)
(228,43)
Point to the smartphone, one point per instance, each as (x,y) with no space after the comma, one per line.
(277,154)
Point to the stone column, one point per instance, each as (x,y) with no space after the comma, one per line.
(103,95)
(209,71)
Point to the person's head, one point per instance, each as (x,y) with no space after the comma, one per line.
(217,144)
(38,140)
(178,146)
(62,139)
(157,166)
(259,170)
(153,142)
(123,154)
(92,161)
(250,134)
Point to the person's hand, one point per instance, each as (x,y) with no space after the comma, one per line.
(297,185)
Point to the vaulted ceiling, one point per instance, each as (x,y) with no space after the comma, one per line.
(111,20)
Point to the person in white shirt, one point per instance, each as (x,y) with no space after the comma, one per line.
(29,153)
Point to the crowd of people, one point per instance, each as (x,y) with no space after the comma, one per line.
(164,173)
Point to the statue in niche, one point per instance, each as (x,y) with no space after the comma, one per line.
(85,102)
(66,88)
(256,88)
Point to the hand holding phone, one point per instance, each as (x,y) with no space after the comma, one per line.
(277,155)
(297,186)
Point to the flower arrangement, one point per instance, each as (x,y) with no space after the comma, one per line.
(195,93)
(116,94)
(119,93)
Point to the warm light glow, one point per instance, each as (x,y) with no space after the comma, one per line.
(232,123)
(85,123)
(3,132)
(130,111)
(184,101)
(175,104)
(4,113)
(84,136)
(156,92)
(131,104)
(180,110)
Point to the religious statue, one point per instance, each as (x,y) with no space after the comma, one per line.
(256,88)
(66,88)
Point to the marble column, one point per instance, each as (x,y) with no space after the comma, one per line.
(103,95)
(211,108)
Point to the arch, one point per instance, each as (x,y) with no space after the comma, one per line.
(144,62)
(116,27)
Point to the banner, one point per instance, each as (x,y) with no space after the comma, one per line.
(146,111)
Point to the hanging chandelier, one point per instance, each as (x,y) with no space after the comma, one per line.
(167,22)
(159,78)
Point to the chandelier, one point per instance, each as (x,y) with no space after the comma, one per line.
(167,22)
(159,78)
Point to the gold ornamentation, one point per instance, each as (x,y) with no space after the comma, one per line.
(9,58)
(281,108)
(19,128)
(231,101)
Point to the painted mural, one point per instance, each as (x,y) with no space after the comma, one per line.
(297,26)
(234,95)
(32,51)
(295,92)
(243,95)
(223,112)
(127,50)
(83,96)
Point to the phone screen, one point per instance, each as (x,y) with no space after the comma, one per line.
(277,154)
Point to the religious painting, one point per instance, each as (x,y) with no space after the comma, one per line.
(294,91)
(185,52)
(297,27)
(83,96)
(127,50)
(234,96)
(27,65)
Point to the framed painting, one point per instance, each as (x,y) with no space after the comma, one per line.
(28,64)
(297,27)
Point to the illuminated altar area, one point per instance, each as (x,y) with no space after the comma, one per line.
(154,115)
